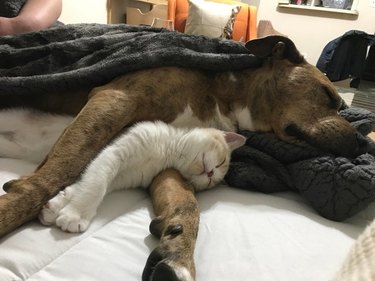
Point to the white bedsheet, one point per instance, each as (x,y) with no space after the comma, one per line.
(243,235)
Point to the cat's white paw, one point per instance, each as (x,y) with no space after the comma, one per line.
(50,211)
(68,211)
(72,219)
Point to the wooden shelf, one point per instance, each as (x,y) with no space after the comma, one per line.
(116,9)
(318,8)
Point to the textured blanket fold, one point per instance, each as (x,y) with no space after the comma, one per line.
(11,8)
(82,56)
(336,187)
(75,57)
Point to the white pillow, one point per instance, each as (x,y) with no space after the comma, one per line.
(209,18)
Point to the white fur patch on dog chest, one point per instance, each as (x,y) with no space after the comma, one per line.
(244,119)
(190,120)
(187,119)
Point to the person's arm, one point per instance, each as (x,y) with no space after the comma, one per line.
(34,15)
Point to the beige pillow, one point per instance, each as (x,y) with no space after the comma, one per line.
(209,18)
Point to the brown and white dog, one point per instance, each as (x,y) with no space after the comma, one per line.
(285,95)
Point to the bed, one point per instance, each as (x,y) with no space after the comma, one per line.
(243,234)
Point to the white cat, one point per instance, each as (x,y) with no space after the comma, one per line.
(202,156)
(132,160)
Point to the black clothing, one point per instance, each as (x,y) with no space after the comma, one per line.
(345,56)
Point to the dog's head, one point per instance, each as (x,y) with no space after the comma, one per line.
(298,102)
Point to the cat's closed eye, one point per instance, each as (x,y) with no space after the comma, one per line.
(221,163)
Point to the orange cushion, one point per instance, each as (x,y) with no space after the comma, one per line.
(244,26)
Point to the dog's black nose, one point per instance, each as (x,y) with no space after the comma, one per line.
(356,146)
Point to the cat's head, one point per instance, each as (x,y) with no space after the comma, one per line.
(209,156)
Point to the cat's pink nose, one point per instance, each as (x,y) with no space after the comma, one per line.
(210,173)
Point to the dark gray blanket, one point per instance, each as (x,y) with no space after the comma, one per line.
(336,187)
(10,8)
(76,57)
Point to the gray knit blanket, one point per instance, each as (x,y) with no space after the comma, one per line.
(336,187)
(75,57)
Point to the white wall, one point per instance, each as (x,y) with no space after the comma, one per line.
(311,30)
(95,11)
(84,11)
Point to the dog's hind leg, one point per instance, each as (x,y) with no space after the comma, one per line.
(176,225)
(105,114)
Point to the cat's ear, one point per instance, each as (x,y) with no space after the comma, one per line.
(234,140)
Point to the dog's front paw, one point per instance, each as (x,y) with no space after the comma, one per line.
(19,185)
(159,268)
(51,210)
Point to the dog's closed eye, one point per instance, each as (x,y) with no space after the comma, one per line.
(293,131)
(334,100)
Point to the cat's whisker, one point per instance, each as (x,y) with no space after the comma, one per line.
(191,183)
(209,183)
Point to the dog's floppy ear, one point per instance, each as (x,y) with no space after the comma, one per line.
(279,47)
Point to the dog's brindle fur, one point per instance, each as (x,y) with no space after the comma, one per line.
(176,225)
(286,95)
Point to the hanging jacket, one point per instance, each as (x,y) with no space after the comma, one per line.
(369,72)
(345,56)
